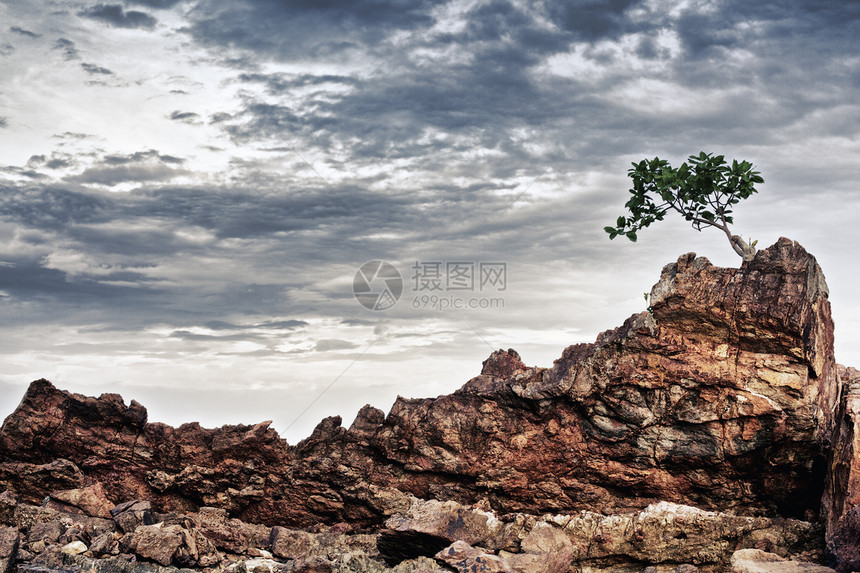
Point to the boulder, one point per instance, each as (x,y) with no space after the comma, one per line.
(464,558)
(758,561)
(90,500)
(10,540)
(160,544)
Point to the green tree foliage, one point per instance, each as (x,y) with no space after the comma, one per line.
(702,190)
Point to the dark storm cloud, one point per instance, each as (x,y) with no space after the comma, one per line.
(830,26)
(591,20)
(68,48)
(115,15)
(279,83)
(23,32)
(303,27)
(96,70)
(47,207)
(29,280)
(157,4)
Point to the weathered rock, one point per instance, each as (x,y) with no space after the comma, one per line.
(74,548)
(667,532)
(231,534)
(840,505)
(160,544)
(328,544)
(35,481)
(8,502)
(440,523)
(129,515)
(10,540)
(546,549)
(758,561)
(47,532)
(467,559)
(722,397)
(90,500)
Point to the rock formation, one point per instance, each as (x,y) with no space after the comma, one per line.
(722,398)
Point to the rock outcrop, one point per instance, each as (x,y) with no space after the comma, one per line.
(427,536)
(721,398)
(841,502)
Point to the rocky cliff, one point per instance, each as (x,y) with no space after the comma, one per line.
(722,396)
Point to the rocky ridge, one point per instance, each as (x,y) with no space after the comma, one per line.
(723,398)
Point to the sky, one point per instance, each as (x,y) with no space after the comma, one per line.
(194,192)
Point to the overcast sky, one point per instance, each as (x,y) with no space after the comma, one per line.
(188,188)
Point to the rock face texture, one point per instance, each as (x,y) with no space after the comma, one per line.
(469,539)
(716,398)
(841,503)
(723,396)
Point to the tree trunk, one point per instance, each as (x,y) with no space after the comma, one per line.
(742,248)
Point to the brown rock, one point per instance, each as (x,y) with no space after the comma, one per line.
(231,534)
(90,500)
(289,543)
(312,565)
(502,364)
(8,503)
(840,505)
(48,532)
(723,397)
(10,540)
(129,515)
(545,549)
(467,559)
(448,521)
(160,544)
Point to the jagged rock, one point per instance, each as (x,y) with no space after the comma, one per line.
(546,549)
(10,540)
(758,561)
(90,500)
(46,532)
(129,515)
(35,481)
(8,502)
(724,396)
(431,525)
(328,544)
(290,544)
(464,558)
(840,505)
(74,548)
(231,534)
(160,544)
(667,532)
(502,364)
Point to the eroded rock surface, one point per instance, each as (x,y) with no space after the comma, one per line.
(721,397)
(697,428)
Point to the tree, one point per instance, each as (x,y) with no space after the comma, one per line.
(702,191)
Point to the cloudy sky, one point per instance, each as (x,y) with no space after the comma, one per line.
(189,187)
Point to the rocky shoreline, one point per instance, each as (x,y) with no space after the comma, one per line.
(713,432)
